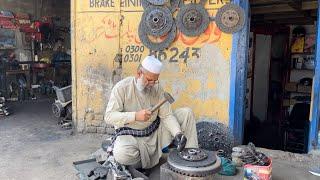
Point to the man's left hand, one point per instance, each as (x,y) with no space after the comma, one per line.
(180,141)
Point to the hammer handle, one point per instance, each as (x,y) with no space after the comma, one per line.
(157,106)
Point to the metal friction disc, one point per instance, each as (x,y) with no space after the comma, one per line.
(214,136)
(193,154)
(230,18)
(201,168)
(157,46)
(193,19)
(158,2)
(157,21)
(145,3)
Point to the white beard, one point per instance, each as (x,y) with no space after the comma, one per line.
(140,85)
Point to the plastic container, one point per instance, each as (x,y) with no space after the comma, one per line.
(252,172)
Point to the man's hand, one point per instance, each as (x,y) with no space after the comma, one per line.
(143,115)
(180,141)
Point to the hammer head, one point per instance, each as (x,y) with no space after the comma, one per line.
(168,97)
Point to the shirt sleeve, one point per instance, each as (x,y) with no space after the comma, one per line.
(114,114)
(169,121)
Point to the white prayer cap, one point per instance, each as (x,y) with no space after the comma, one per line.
(152,64)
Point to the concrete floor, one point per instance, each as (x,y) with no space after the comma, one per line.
(33,147)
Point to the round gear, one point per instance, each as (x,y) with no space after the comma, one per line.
(157,21)
(57,110)
(157,46)
(158,2)
(202,168)
(230,18)
(193,154)
(215,136)
(193,19)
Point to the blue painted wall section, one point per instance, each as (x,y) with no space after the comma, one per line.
(313,133)
(238,76)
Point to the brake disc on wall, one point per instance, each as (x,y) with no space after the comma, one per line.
(157,20)
(193,19)
(230,18)
(158,2)
(157,46)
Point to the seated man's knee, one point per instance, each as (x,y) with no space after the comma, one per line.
(126,155)
(188,113)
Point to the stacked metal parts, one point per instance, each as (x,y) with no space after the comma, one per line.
(244,155)
(3,108)
(194,162)
(215,136)
(158,26)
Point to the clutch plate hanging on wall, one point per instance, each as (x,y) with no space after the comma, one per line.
(193,19)
(158,2)
(157,20)
(230,18)
(155,45)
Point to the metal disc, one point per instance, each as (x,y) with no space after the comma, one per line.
(193,19)
(145,3)
(208,166)
(155,45)
(193,154)
(158,2)
(157,21)
(214,136)
(230,18)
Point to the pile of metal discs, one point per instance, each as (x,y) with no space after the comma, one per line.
(215,136)
(243,155)
(194,162)
(158,26)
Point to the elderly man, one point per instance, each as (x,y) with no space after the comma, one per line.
(129,106)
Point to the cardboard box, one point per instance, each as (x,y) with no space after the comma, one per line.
(304,89)
(292,87)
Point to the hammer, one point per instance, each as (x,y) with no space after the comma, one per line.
(167,97)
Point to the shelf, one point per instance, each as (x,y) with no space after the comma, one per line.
(8,48)
(294,69)
(304,53)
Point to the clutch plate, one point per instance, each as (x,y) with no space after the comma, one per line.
(193,19)
(230,18)
(157,20)
(194,162)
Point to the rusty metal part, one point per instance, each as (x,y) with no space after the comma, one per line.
(167,98)
(158,2)
(201,168)
(157,46)
(215,136)
(157,20)
(230,18)
(193,19)
(193,154)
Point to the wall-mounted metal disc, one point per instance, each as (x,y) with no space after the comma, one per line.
(157,20)
(193,19)
(157,46)
(230,18)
